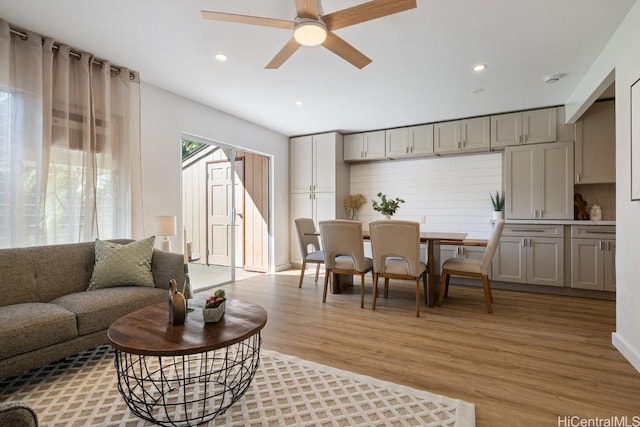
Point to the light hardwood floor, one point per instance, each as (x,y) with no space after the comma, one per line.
(537,357)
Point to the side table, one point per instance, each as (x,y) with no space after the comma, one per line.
(184,375)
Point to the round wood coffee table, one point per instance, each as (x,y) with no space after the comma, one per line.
(186,374)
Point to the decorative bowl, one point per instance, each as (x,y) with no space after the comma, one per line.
(211,315)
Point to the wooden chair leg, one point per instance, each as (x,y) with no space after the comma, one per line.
(386,287)
(317,271)
(304,266)
(487,292)
(417,297)
(427,287)
(362,290)
(446,289)
(326,283)
(443,284)
(375,291)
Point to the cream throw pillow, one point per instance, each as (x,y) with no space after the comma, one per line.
(122,265)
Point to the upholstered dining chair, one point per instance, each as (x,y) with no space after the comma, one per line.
(344,252)
(308,237)
(468,267)
(396,255)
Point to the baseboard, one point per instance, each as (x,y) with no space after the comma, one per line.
(629,353)
(282,267)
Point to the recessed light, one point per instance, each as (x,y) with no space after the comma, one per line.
(479,67)
(299,102)
(220,56)
(477,90)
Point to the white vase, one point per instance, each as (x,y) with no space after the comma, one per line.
(498,215)
(387,217)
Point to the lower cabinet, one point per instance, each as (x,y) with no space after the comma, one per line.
(593,256)
(532,254)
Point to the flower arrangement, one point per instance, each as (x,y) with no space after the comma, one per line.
(386,207)
(497,201)
(352,203)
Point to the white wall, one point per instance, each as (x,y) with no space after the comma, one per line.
(164,117)
(622,55)
(452,192)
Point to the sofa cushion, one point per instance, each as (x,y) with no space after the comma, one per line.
(122,265)
(31,326)
(98,309)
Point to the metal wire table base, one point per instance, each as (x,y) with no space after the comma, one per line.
(187,390)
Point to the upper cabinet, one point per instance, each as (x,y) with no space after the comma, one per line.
(526,127)
(596,145)
(460,136)
(365,146)
(539,181)
(413,141)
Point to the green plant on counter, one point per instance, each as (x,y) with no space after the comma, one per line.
(497,201)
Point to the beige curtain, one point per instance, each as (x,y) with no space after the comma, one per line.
(69,144)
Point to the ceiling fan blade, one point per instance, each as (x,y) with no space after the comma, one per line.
(246,19)
(366,12)
(344,50)
(307,9)
(284,54)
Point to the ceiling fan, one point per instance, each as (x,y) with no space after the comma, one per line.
(312,29)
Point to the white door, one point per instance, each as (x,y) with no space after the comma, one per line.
(222,182)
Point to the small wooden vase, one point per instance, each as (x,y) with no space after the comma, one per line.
(177,305)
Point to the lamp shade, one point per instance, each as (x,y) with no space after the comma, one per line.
(166,225)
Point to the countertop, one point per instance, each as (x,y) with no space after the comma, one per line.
(557,221)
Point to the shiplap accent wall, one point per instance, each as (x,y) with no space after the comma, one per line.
(451,192)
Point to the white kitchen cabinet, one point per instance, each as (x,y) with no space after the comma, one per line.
(525,127)
(595,151)
(593,255)
(531,254)
(319,181)
(460,136)
(365,146)
(539,181)
(412,141)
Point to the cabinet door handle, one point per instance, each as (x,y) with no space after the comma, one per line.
(525,230)
(578,177)
(524,242)
(519,139)
(524,138)
(541,213)
(608,245)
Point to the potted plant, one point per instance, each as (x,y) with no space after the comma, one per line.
(497,201)
(214,306)
(386,207)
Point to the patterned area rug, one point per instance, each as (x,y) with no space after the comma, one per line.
(286,391)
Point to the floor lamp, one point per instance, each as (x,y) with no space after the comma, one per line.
(165,227)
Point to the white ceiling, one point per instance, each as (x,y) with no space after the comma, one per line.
(422,58)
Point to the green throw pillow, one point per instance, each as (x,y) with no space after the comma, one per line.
(122,265)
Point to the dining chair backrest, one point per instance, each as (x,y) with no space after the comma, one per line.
(342,237)
(396,239)
(492,245)
(307,236)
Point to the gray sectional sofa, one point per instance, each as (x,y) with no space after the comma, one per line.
(46,312)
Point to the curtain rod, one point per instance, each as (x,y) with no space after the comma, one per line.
(117,70)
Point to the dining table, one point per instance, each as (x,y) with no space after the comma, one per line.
(433,240)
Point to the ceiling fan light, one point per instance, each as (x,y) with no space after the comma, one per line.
(310,33)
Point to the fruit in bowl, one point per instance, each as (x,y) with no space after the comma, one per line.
(216,299)
(214,307)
